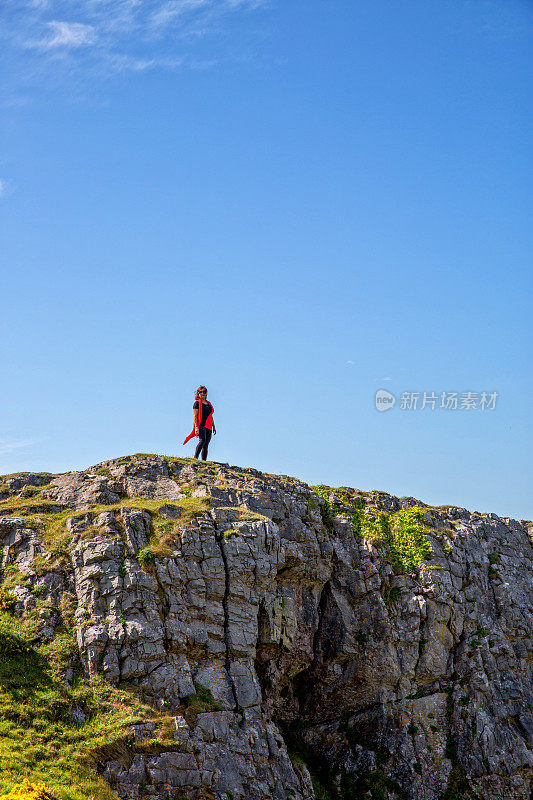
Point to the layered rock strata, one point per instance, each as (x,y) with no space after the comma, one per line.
(324,668)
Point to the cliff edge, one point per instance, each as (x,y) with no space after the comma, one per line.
(172,629)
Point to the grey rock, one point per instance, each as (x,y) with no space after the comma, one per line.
(271,620)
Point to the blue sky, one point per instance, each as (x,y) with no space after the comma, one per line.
(296,204)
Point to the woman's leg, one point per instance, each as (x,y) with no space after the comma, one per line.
(207,439)
(201,443)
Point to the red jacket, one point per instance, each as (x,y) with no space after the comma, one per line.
(208,423)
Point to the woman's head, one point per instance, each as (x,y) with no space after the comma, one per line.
(201,393)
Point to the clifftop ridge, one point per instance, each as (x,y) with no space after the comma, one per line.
(12,483)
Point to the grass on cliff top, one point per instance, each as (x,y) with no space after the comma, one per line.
(38,739)
(50,516)
(22,474)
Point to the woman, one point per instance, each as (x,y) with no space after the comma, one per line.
(203,422)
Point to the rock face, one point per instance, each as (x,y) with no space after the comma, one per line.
(322,668)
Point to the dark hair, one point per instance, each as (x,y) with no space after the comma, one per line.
(200,388)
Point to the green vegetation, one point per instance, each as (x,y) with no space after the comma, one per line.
(243,514)
(146,557)
(28,506)
(38,738)
(13,577)
(374,784)
(7,599)
(457,782)
(192,507)
(28,791)
(320,789)
(343,502)
(105,472)
(391,593)
(402,532)
(199,702)
(50,518)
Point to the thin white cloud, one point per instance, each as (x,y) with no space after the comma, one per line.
(67,34)
(172,10)
(350,362)
(122,63)
(3,188)
(9,447)
(41,38)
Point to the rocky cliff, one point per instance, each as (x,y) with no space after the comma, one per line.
(176,629)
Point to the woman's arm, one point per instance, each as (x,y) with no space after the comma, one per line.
(213,423)
(195,412)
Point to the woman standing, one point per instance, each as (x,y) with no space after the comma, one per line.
(203,422)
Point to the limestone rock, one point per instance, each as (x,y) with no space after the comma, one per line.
(283,642)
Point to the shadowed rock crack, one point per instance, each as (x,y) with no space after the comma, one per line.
(219,536)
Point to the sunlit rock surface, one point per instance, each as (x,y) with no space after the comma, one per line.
(320,667)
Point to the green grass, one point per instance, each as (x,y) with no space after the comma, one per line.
(14,577)
(105,472)
(192,507)
(7,599)
(50,518)
(245,515)
(38,739)
(28,507)
(22,474)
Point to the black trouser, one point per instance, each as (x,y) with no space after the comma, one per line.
(204,434)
